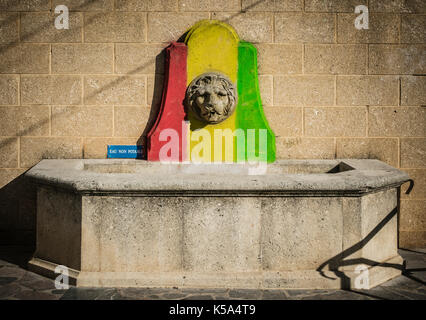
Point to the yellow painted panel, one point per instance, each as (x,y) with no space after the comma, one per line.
(212,47)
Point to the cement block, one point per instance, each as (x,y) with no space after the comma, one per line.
(9,152)
(118,90)
(24,120)
(33,149)
(130,121)
(9,89)
(413,152)
(304,27)
(335,121)
(396,121)
(397,59)
(82,121)
(335,59)
(82,58)
(383,149)
(367,90)
(46,89)
(303,90)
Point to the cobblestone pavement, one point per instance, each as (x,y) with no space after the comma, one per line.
(17,283)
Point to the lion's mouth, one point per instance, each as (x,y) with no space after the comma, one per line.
(211,113)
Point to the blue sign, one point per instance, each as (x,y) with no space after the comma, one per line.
(133,152)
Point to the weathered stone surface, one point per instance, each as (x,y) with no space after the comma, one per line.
(24,5)
(272,5)
(274,295)
(167,27)
(85,5)
(51,89)
(139,58)
(382,28)
(34,149)
(216,241)
(419,189)
(251,26)
(24,58)
(336,59)
(377,207)
(397,59)
(40,27)
(413,152)
(279,58)
(245,294)
(305,148)
(8,175)
(292,230)
(8,89)
(82,58)
(121,90)
(285,121)
(367,90)
(146,5)
(114,27)
(24,120)
(352,230)
(412,217)
(304,27)
(383,149)
(333,5)
(266,89)
(82,121)
(96,148)
(413,91)
(130,121)
(209,5)
(396,121)
(9,30)
(398,6)
(157,248)
(412,239)
(335,121)
(64,246)
(412,29)
(9,152)
(303,90)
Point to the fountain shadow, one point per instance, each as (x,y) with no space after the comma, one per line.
(339,261)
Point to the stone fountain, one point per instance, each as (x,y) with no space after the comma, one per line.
(200,212)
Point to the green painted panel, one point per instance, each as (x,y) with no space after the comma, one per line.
(249,110)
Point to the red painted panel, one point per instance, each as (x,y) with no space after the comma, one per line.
(172,111)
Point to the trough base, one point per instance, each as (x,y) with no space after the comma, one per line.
(301,279)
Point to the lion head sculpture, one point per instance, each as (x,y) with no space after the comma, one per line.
(212,97)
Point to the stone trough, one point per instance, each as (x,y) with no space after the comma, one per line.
(302,224)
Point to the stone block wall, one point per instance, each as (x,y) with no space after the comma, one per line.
(328,89)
